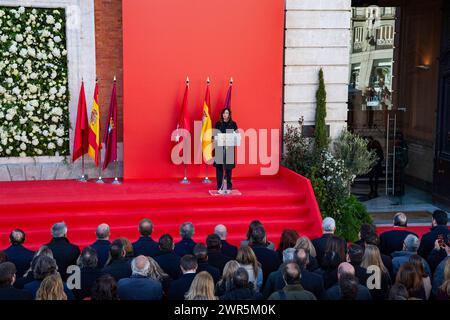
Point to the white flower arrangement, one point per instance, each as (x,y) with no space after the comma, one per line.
(34,102)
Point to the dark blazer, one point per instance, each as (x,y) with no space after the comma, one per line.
(217,259)
(102,249)
(213,271)
(229,250)
(242,294)
(428,240)
(170,263)
(88,278)
(178,288)
(21,257)
(139,288)
(184,247)
(119,269)
(33,288)
(361,274)
(65,254)
(21,282)
(268,258)
(146,246)
(329,277)
(320,245)
(392,240)
(334,293)
(225,127)
(11,293)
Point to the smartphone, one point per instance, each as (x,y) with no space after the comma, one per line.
(441,242)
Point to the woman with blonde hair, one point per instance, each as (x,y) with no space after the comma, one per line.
(444,290)
(306,244)
(226,283)
(202,288)
(247,259)
(371,258)
(51,288)
(155,272)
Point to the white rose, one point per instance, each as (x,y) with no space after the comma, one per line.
(53,90)
(33,75)
(19,37)
(4,38)
(9,80)
(8,151)
(50,19)
(22,154)
(51,146)
(32,52)
(57,39)
(35,142)
(55,119)
(2,90)
(21,10)
(57,26)
(23,146)
(16,90)
(23,53)
(45,133)
(13,48)
(9,117)
(60,142)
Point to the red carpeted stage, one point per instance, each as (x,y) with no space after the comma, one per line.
(283,201)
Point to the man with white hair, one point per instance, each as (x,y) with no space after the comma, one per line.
(139,286)
(410,246)
(320,244)
(348,286)
(102,244)
(186,245)
(227,249)
(64,252)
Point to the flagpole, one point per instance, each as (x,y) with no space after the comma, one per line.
(185,179)
(84,177)
(116,173)
(100,179)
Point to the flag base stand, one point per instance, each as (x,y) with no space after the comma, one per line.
(225,193)
(100,180)
(116,181)
(185,181)
(83,178)
(206,180)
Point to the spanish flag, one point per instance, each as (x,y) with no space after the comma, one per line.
(94,129)
(206,136)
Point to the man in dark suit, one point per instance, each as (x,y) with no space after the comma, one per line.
(268,258)
(88,263)
(320,244)
(392,240)
(215,256)
(102,244)
(146,246)
(201,253)
(439,229)
(168,260)
(64,252)
(7,279)
(139,286)
(186,245)
(178,288)
(227,249)
(119,267)
(17,253)
(354,257)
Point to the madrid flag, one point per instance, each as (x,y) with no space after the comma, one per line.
(110,136)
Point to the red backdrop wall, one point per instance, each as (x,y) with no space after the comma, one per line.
(166,40)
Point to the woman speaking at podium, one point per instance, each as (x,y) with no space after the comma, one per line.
(222,162)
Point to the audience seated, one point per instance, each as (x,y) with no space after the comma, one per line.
(65,253)
(374,240)
(371,260)
(101,246)
(398,292)
(354,257)
(3,257)
(443,292)
(7,279)
(365,231)
(438,228)
(409,277)
(155,272)
(145,246)
(167,259)
(306,244)
(139,286)
(256,223)
(117,266)
(215,256)
(201,253)
(51,288)
(226,282)
(186,245)
(247,260)
(227,248)
(128,247)
(105,288)
(417,262)
(17,253)
(392,240)
(347,287)
(88,263)
(28,275)
(293,290)
(410,246)
(328,228)
(202,288)
(241,289)
(179,287)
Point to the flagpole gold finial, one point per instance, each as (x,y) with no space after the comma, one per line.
(187,80)
(231,81)
(115,78)
(208,81)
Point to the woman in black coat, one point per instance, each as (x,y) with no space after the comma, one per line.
(224,156)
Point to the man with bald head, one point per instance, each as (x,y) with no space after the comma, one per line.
(227,249)
(346,274)
(139,286)
(101,246)
(392,240)
(293,289)
(17,253)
